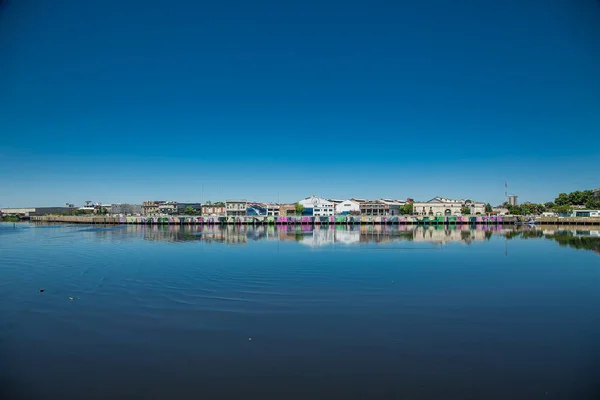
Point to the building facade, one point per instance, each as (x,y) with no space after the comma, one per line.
(443,206)
(513,200)
(213,210)
(126,209)
(383,207)
(151,206)
(317,207)
(35,211)
(347,207)
(236,208)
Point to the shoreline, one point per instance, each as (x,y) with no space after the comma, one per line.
(337,220)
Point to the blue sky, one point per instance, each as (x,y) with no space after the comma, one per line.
(266,100)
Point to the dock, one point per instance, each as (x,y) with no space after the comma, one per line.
(334,220)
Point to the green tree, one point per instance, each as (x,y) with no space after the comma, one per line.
(549,205)
(299,208)
(465,210)
(189,210)
(516,210)
(562,200)
(592,204)
(488,208)
(406,209)
(575,198)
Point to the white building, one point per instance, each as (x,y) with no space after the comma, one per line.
(236,208)
(347,206)
(443,206)
(318,207)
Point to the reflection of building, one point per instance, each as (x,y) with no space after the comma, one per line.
(317,207)
(442,234)
(235,208)
(318,237)
(444,206)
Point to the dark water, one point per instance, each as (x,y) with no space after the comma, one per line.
(362,312)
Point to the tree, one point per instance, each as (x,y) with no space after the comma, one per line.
(189,210)
(549,205)
(562,199)
(299,208)
(488,208)
(575,198)
(592,204)
(406,209)
(465,210)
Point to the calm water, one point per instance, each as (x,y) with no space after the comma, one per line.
(360,312)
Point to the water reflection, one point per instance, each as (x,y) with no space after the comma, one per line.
(317,236)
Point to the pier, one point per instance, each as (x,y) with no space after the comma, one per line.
(334,220)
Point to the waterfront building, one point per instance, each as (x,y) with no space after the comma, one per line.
(236,208)
(500,210)
(347,207)
(151,206)
(256,209)
(213,210)
(585,213)
(383,207)
(126,209)
(168,207)
(287,209)
(513,200)
(443,206)
(273,210)
(317,207)
(35,211)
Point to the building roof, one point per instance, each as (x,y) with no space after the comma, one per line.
(445,200)
(236,201)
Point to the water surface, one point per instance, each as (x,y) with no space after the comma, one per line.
(298,312)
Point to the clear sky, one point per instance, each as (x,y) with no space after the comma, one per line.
(123,101)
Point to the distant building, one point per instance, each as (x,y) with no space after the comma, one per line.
(585,213)
(500,210)
(151,206)
(167,207)
(273,210)
(317,207)
(256,209)
(236,208)
(347,207)
(35,211)
(287,209)
(513,200)
(213,210)
(126,209)
(443,206)
(383,207)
